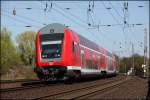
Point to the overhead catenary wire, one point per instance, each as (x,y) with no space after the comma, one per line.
(90,10)
(26,18)
(125,11)
(126,14)
(20,21)
(124,20)
(77,18)
(82,26)
(115,10)
(123,32)
(111,13)
(82,21)
(89,16)
(58,11)
(102,33)
(85,22)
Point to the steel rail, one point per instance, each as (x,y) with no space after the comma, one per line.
(30,85)
(72,92)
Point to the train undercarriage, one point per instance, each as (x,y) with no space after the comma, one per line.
(56,73)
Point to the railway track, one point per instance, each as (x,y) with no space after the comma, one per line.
(64,91)
(23,85)
(14,83)
(85,92)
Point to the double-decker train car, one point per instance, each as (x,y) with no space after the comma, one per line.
(61,53)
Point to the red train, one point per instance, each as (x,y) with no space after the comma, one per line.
(61,53)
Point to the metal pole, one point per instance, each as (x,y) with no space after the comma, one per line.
(146,61)
(133,57)
(145,46)
(145,53)
(119,63)
(125,69)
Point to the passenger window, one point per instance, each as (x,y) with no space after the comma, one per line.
(78,47)
(82,57)
(72,46)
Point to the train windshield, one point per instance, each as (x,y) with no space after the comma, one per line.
(51,47)
(51,50)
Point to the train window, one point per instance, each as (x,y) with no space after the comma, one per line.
(51,37)
(51,50)
(99,57)
(82,57)
(78,48)
(109,64)
(89,64)
(73,46)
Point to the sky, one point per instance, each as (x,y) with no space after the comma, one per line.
(117,38)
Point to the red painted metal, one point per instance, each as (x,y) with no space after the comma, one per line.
(70,58)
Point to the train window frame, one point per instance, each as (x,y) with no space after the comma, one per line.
(53,58)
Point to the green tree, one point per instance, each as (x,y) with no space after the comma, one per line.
(26,45)
(138,61)
(127,62)
(9,55)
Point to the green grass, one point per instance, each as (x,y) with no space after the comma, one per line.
(19,72)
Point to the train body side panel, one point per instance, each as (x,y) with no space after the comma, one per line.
(70,57)
(75,49)
(37,47)
(67,56)
(103,59)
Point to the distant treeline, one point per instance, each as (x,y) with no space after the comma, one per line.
(127,63)
(16,53)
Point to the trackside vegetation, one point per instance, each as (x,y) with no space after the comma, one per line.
(17,58)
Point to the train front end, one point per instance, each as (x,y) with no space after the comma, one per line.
(49,52)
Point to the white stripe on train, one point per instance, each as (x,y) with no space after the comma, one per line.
(88,71)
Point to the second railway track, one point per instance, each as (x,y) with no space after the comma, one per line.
(23,85)
(85,92)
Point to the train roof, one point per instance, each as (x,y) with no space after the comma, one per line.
(88,42)
(59,28)
(52,28)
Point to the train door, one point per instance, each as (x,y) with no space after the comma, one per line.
(82,57)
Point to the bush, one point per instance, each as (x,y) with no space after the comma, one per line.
(26,45)
(9,54)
